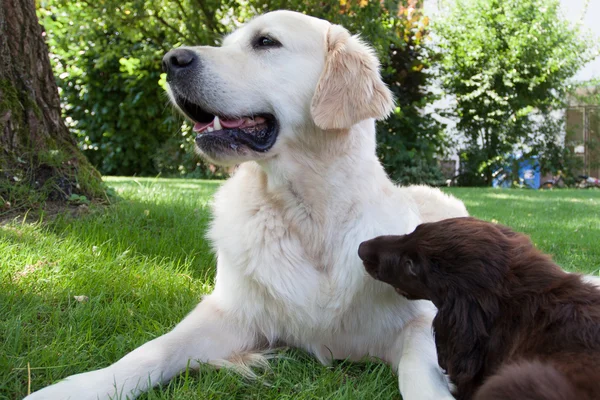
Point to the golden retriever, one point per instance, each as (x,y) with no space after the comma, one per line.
(293,99)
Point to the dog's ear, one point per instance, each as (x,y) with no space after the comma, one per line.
(410,267)
(350,88)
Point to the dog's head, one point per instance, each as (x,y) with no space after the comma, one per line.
(453,257)
(279,76)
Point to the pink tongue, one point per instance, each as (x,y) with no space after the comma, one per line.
(232,123)
(229,124)
(200,126)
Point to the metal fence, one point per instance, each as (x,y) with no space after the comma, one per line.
(583,136)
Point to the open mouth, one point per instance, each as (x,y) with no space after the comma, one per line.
(258,131)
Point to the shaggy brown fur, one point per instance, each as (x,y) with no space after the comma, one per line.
(510,324)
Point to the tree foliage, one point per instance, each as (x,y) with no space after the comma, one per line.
(107,57)
(508,64)
(587,92)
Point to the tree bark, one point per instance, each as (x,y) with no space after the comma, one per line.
(37,150)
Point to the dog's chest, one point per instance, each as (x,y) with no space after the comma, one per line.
(297,272)
(273,247)
(285,258)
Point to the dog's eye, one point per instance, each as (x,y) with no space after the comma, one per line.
(266,42)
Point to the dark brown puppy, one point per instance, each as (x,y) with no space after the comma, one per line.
(510,324)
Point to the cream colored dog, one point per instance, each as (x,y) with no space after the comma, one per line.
(293,99)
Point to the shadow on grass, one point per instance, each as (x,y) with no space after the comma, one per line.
(293,375)
(142,264)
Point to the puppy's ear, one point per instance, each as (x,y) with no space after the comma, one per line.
(410,267)
(350,88)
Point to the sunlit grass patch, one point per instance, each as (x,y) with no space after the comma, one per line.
(78,293)
(564,223)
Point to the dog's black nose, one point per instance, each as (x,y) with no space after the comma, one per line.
(366,253)
(178,59)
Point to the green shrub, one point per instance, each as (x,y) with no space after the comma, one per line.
(107,57)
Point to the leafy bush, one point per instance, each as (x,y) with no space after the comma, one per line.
(107,57)
(504,61)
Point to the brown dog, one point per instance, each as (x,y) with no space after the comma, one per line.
(511,324)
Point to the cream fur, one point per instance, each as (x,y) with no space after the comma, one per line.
(288,223)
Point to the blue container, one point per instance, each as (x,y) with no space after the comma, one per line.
(529,174)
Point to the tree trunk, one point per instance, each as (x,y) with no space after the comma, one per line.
(38,155)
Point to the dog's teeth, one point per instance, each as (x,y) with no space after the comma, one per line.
(217,124)
(210,129)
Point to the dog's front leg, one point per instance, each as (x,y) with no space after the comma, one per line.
(419,375)
(207,333)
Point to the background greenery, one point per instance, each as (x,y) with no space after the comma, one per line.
(107,57)
(508,64)
(143,264)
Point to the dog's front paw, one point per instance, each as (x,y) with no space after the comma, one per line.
(94,385)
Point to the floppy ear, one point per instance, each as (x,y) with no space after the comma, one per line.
(350,88)
(463,318)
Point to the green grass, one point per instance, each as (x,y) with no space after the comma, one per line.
(143,263)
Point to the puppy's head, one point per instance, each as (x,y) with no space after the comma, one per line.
(453,257)
(394,260)
(278,77)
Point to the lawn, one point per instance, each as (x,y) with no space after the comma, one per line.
(143,263)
